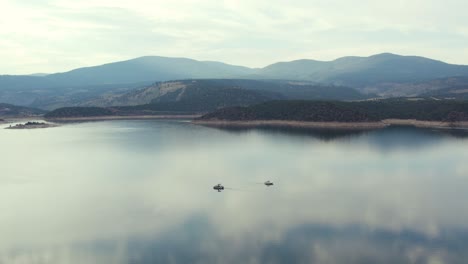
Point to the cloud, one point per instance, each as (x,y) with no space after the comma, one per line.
(62,34)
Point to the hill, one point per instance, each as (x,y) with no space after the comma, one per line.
(62,89)
(347,71)
(175,98)
(363,72)
(192,90)
(363,111)
(147,69)
(75,96)
(8,110)
(449,87)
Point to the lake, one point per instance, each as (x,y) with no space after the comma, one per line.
(142,192)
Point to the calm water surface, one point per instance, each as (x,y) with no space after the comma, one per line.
(141,192)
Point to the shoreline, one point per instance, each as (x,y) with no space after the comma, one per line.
(264,123)
(333,125)
(426,124)
(104,118)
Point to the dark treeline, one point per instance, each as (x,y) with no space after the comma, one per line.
(363,111)
(79,112)
(297,110)
(150,109)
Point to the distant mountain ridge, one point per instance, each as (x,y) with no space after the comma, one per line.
(385,66)
(365,71)
(367,74)
(348,71)
(148,69)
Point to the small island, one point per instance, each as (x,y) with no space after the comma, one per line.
(31,125)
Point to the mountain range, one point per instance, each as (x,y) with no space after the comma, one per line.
(361,72)
(378,75)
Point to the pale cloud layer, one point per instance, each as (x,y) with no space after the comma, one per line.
(59,35)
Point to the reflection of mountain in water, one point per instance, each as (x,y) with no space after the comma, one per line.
(388,138)
(318,133)
(341,200)
(456,133)
(407,138)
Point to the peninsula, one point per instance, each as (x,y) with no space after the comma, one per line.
(368,114)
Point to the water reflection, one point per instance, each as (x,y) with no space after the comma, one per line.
(140,192)
(400,136)
(319,133)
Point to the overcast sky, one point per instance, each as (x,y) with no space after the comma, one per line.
(59,35)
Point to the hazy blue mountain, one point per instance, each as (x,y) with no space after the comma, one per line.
(374,74)
(151,68)
(22,90)
(347,71)
(28,90)
(364,71)
(17,82)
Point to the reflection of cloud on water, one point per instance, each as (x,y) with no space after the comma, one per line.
(393,138)
(196,241)
(300,132)
(146,194)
